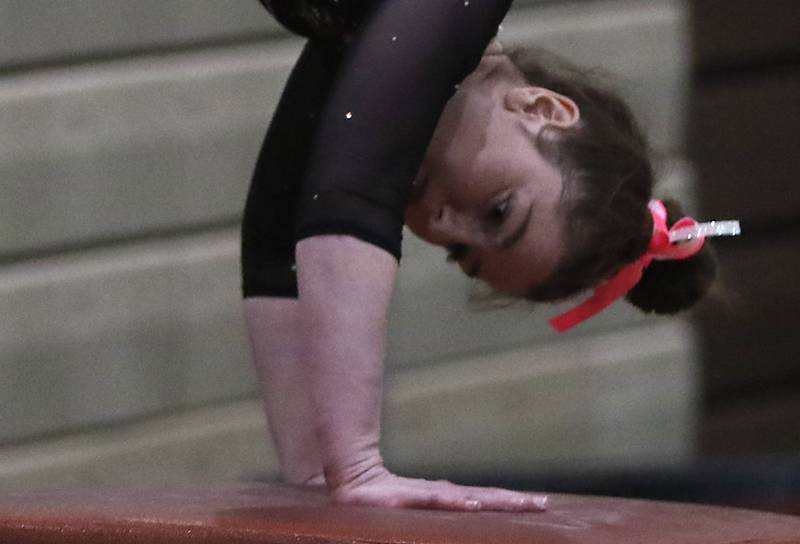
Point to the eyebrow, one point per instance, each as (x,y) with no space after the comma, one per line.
(519,232)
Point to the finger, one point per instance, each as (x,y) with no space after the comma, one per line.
(510,501)
(444,495)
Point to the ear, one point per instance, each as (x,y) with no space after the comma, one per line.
(543,107)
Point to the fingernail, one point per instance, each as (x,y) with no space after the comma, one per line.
(473,505)
(541,502)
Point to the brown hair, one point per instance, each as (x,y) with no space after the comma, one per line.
(608,181)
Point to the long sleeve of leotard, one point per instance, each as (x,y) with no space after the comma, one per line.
(375,113)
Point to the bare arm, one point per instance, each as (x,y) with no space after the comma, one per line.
(274,330)
(345,287)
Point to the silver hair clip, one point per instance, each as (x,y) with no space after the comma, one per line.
(705,230)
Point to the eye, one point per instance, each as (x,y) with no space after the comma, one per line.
(500,211)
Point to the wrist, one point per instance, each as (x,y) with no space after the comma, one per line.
(354,473)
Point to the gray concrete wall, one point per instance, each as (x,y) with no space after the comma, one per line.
(129,131)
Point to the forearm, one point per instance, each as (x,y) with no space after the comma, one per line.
(274,330)
(345,288)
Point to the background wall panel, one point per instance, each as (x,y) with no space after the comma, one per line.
(107,151)
(54,31)
(593,401)
(112,334)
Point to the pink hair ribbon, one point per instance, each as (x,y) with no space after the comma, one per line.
(683,240)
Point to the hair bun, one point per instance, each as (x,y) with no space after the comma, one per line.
(670,286)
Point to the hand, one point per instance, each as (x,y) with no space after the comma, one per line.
(379,487)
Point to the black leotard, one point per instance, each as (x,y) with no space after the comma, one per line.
(353,123)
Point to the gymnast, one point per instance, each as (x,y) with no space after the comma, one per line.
(536,180)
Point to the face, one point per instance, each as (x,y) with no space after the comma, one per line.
(483,190)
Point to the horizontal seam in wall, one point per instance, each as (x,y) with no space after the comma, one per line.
(116,241)
(114,54)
